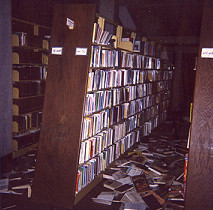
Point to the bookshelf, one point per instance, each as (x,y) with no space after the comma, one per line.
(30,48)
(100,100)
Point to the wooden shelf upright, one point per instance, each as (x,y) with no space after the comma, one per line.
(58,151)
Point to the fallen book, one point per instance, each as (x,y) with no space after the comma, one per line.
(159,199)
(152,202)
(123,188)
(134,197)
(166,179)
(112,184)
(105,198)
(108,173)
(133,206)
(140,183)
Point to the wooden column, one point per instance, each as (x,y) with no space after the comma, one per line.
(199,180)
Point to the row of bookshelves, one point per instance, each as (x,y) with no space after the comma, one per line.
(111,97)
(129,112)
(99,151)
(104,79)
(30,48)
(143,95)
(114,58)
(96,123)
(97,163)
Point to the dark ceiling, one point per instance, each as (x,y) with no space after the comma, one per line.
(166,18)
(158,19)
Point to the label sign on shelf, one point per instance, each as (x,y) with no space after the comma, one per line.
(70,23)
(207,53)
(80,51)
(57,50)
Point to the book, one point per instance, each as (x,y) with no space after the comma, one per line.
(123,188)
(125,180)
(134,197)
(152,202)
(107,174)
(135,171)
(158,198)
(112,184)
(4,184)
(133,206)
(118,174)
(105,198)
(140,183)
(166,179)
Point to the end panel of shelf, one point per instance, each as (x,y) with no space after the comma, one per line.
(58,151)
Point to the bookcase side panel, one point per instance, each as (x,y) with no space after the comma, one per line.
(199,170)
(57,158)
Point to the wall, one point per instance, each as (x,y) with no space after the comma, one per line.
(5,78)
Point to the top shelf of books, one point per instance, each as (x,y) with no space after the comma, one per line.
(123,39)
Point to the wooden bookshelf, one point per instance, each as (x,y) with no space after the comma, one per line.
(64,128)
(30,48)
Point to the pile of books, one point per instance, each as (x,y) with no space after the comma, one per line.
(16,185)
(151,176)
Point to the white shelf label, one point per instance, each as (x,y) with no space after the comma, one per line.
(207,53)
(70,23)
(57,50)
(80,51)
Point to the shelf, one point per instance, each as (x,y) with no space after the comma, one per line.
(24,150)
(17,48)
(30,23)
(30,49)
(27,105)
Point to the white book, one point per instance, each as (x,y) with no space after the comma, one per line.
(134,197)
(4,184)
(105,198)
(126,180)
(135,172)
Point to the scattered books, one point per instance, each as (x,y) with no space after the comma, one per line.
(145,181)
(140,183)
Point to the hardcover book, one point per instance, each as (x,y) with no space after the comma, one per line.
(112,184)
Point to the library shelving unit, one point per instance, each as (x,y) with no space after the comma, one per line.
(101,96)
(30,48)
